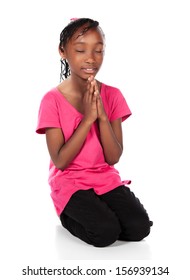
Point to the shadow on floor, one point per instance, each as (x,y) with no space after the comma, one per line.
(69,247)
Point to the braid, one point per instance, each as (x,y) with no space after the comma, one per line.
(65,70)
(67,34)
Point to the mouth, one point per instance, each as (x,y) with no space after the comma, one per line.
(89,70)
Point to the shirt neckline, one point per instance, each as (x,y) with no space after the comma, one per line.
(72,107)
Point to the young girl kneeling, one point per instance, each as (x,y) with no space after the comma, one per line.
(82,118)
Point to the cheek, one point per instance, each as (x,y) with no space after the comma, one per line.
(100,59)
(71,60)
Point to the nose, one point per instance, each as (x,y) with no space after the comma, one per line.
(90,58)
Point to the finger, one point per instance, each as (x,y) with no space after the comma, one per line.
(96,93)
(89,81)
(89,88)
(96,85)
(94,98)
(90,78)
(92,87)
(99,101)
(96,88)
(87,93)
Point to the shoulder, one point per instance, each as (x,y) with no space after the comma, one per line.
(114,102)
(109,88)
(51,98)
(110,92)
(50,95)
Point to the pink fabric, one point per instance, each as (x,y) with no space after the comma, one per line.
(88,169)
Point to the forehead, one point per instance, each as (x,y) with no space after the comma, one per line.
(94,34)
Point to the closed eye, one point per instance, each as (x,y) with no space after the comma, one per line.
(99,51)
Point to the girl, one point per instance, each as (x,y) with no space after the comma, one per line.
(82,118)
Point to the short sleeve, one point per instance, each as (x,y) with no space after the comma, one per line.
(48,115)
(118,107)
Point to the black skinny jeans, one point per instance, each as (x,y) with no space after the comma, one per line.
(100,220)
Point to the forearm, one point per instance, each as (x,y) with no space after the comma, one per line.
(73,146)
(111,146)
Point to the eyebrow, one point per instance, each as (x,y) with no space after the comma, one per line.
(83,43)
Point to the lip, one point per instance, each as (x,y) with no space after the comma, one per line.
(89,70)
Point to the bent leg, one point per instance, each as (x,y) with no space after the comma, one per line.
(90,219)
(133,218)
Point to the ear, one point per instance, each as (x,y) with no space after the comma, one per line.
(62,52)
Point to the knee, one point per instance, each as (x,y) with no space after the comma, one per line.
(106,233)
(139,231)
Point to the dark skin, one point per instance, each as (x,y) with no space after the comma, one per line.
(85,56)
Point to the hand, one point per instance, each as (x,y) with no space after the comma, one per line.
(89,101)
(100,107)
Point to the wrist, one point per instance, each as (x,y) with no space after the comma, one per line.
(103,119)
(86,122)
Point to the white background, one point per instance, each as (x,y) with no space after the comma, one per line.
(148,58)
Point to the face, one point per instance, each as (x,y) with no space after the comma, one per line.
(85,53)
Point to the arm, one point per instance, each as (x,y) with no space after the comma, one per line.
(110,133)
(111,139)
(63,153)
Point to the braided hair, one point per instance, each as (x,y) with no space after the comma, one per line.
(67,34)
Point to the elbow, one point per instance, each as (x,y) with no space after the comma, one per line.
(60,165)
(113,161)
(62,168)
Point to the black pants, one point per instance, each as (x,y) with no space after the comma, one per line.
(101,220)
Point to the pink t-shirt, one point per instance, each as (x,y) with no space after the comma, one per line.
(89,168)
